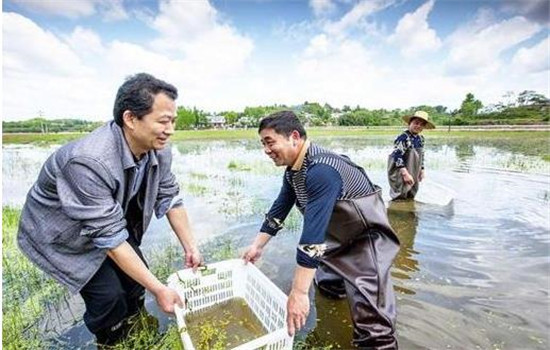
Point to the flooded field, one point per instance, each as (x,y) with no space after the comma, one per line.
(473,274)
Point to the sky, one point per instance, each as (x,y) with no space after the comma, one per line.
(67,58)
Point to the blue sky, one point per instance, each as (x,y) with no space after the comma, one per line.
(65,59)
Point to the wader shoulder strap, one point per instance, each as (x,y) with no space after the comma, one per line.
(348,161)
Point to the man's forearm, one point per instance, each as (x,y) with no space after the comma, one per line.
(303,277)
(127,259)
(179,222)
(262,239)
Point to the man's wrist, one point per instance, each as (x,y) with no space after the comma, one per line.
(298,291)
(157,288)
(190,248)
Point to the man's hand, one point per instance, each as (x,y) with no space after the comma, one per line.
(252,254)
(407,178)
(193,258)
(167,298)
(297,308)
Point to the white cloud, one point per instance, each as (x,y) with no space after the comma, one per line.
(355,16)
(478,48)
(336,71)
(28,48)
(85,41)
(534,59)
(322,7)
(215,67)
(193,31)
(413,33)
(111,9)
(77,74)
(184,19)
(71,9)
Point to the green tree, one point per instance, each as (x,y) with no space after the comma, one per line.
(230,117)
(470,106)
(185,118)
(530,98)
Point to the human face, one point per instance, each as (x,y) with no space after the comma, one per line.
(282,150)
(153,130)
(417,125)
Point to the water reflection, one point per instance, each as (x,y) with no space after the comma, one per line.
(404,220)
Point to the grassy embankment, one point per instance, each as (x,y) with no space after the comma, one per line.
(535,143)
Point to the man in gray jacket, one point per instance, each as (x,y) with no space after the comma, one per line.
(84,218)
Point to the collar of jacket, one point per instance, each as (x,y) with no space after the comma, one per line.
(301,156)
(123,148)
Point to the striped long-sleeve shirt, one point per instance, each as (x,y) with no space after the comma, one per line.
(314,188)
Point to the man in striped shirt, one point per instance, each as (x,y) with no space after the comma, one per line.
(347,244)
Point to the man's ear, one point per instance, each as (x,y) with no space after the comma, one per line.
(295,135)
(128,119)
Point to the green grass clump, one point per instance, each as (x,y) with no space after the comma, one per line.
(26,291)
(144,334)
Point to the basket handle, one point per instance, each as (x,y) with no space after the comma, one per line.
(184,334)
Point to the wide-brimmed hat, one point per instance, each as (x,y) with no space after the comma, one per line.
(420,115)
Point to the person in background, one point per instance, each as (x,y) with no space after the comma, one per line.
(84,218)
(406,162)
(347,244)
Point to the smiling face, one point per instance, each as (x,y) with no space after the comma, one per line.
(153,130)
(281,149)
(416,125)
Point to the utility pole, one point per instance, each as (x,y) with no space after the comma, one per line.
(42,126)
(452,114)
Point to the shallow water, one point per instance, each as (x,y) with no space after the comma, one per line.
(224,326)
(472,274)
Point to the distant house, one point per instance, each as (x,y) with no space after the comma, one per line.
(216,121)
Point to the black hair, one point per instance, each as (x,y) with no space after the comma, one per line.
(284,123)
(137,95)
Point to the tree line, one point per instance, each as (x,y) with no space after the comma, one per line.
(527,107)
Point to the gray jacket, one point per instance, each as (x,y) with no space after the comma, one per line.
(76,209)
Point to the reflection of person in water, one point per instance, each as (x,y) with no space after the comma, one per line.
(406,162)
(404,220)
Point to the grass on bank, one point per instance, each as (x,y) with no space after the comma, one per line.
(26,291)
(529,142)
(242,134)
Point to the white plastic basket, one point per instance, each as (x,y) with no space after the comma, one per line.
(229,279)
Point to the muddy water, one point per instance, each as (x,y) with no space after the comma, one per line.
(473,274)
(224,326)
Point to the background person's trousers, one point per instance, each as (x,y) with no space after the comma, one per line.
(111,297)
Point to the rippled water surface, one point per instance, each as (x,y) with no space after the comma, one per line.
(473,274)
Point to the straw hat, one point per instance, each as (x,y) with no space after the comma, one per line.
(420,115)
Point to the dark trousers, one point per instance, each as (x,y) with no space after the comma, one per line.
(111,297)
